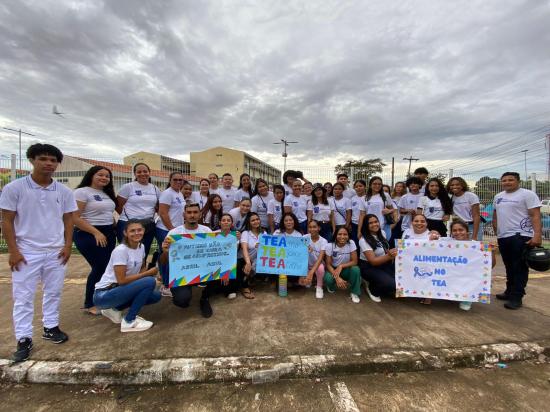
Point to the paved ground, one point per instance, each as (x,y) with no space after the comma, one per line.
(269,325)
(521,386)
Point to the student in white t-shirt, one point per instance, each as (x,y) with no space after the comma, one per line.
(260,202)
(343,179)
(409,201)
(240,214)
(307,188)
(436,205)
(466,206)
(201,197)
(212,212)
(244,191)
(296,204)
(517,223)
(419,230)
(341,208)
(181,295)
(227,192)
(171,203)
(138,200)
(187,192)
(341,267)
(377,203)
(275,208)
(357,208)
(288,180)
(127,283)
(214,183)
(94,232)
(328,188)
(316,258)
(377,260)
(226,228)
(246,256)
(399,190)
(37,224)
(319,209)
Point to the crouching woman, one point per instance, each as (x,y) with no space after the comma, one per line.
(126,283)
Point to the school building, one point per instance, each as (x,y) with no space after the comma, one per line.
(222,160)
(158,162)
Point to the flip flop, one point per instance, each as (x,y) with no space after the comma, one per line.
(247,294)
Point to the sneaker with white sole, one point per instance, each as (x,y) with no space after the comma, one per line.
(329,290)
(465,305)
(114,315)
(165,291)
(373,297)
(319,292)
(354,298)
(138,325)
(231,296)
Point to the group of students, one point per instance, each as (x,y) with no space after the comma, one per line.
(350,232)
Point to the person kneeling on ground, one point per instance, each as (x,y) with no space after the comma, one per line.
(181,295)
(376,262)
(127,283)
(341,265)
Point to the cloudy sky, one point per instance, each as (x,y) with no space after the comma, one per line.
(438,80)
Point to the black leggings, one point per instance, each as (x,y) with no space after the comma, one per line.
(381,278)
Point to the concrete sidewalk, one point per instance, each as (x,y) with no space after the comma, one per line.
(297,327)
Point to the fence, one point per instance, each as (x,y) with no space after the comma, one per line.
(485,183)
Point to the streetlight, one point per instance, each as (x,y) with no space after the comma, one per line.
(285,154)
(524,151)
(20,133)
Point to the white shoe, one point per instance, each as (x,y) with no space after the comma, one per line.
(465,305)
(232,296)
(114,315)
(139,324)
(354,298)
(319,292)
(165,291)
(372,297)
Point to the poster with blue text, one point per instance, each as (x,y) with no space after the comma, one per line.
(202,257)
(450,270)
(282,255)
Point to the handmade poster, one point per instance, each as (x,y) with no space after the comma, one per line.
(282,255)
(450,270)
(202,257)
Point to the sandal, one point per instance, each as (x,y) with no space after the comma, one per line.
(92,311)
(247,293)
(426,301)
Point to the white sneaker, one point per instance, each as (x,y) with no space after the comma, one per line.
(372,297)
(354,298)
(319,292)
(114,315)
(465,305)
(165,291)
(139,324)
(232,296)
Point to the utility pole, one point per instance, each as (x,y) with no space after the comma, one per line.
(20,133)
(392,171)
(410,159)
(285,142)
(524,151)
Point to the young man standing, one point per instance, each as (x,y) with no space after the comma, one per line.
(38,227)
(422,173)
(517,223)
(227,192)
(344,179)
(181,296)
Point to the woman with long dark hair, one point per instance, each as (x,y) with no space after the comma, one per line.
(377,203)
(436,206)
(319,209)
(94,232)
(212,212)
(275,208)
(201,197)
(260,202)
(244,191)
(466,206)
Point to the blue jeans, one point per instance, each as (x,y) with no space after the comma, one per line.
(133,295)
(146,241)
(160,235)
(517,271)
(354,234)
(96,256)
(303,227)
(326,231)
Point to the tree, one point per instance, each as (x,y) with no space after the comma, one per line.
(361,169)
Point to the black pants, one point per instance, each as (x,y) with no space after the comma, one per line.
(381,278)
(241,281)
(517,270)
(396,233)
(96,256)
(181,296)
(326,231)
(438,225)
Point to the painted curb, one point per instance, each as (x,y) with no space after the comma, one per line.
(260,369)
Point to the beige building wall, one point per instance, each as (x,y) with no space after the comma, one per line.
(153,160)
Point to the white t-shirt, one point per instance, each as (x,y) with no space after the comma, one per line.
(462,206)
(349,193)
(320,211)
(375,205)
(250,241)
(214,191)
(409,234)
(340,255)
(283,233)
(196,197)
(298,205)
(39,214)
(241,194)
(315,249)
(357,206)
(431,208)
(175,203)
(408,201)
(288,189)
(238,219)
(141,200)
(99,207)
(182,230)
(512,212)
(228,198)
(260,206)
(275,209)
(340,207)
(122,255)
(365,247)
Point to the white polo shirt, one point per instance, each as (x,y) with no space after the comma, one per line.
(375,205)
(340,207)
(298,205)
(39,213)
(98,209)
(408,201)
(241,194)
(175,203)
(238,218)
(228,198)
(141,200)
(357,206)
(260,205)
(341,254)
(320,212)
(431,208)
(365,247)
(275,208)
(462,206)
(315,249)
(122,256)
(513,212)
(250,241)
